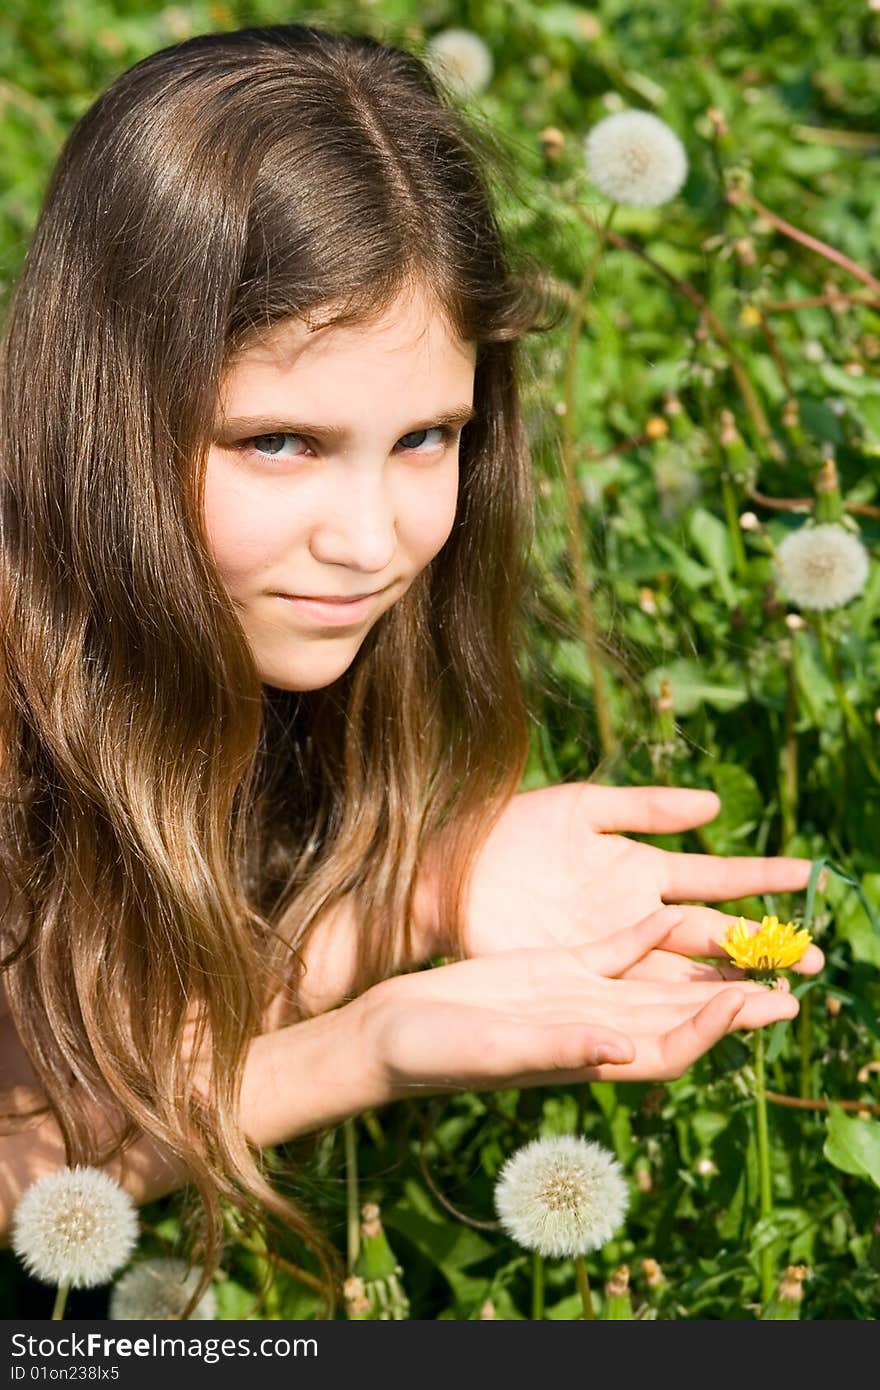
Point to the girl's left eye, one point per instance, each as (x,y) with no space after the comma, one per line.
(271,445)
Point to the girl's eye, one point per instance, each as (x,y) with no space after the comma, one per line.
(272,445)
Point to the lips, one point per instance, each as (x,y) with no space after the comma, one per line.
(335,613)
(330,598)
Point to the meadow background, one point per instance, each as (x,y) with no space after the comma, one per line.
(727,360)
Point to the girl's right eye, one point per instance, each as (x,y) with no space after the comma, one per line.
(273,444)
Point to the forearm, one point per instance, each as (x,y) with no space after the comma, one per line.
(304,1077)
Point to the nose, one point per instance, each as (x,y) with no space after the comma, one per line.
(358,527)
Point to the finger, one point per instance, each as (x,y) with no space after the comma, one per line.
(623,948)
(761,1007)
(538,1054)
(681,1048)
(701,931)
(668,965)
(717,878)
(647,810)
(668,1056)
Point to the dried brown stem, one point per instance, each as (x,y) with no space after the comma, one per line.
(737,196)
(801,1103)
(684,287)
(816,301)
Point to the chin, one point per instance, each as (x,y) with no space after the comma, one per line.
(311,675)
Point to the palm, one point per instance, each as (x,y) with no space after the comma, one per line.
(550,873)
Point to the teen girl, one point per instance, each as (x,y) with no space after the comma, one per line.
(266,514)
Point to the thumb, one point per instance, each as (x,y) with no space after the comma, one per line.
(623,948)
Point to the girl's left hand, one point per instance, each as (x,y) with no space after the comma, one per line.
(554,871)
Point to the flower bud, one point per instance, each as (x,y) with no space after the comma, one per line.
(745,250)
(552,142)
(729,434)
(618,1304)
(656,427)
(647,601)
(718,120)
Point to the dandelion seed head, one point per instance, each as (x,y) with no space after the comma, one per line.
(158,1290)
(822,567)
(562,1196)
(75,1226)
(463,60)
(635,158)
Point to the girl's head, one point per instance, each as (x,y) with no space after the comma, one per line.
(293,226)
(329,476)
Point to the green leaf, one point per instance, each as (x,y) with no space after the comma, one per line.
(741,808)
(853,1145)
(691,687)
(234,1302)
(709,535)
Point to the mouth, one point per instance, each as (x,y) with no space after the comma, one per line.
(333,598)
(333,611)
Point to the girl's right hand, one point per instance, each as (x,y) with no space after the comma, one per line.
(535,1017)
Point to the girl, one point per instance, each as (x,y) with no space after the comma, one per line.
(266,511)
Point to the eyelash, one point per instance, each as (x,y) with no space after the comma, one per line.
(448,432)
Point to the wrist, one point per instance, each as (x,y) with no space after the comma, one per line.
(314,1074)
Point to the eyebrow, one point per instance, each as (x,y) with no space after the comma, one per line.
(249,426)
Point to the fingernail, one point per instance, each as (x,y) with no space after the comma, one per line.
(607,1052)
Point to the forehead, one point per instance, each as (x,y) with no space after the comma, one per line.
(412,326)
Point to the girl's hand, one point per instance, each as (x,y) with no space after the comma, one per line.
(533,1017)
(552,873)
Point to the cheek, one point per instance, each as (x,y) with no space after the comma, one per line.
(428,515)
(238,527)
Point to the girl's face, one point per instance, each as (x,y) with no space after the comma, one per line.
(333,473)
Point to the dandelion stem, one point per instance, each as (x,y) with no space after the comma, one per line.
(766,1189)
(805,1045)
(60,1303)
(537,1287)
(583,1283)
(788,786)
(852,722)
(734,530)
(353,1225)
(607,737)
(270,1295)
(295,1271)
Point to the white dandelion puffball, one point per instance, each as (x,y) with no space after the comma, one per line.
(633,157)
(76,1226)
(561,1196)
(463,60)
(158,1290)
(822,566)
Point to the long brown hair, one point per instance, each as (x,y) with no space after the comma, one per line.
(171,830)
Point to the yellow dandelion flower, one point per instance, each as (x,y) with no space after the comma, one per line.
(774,946)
